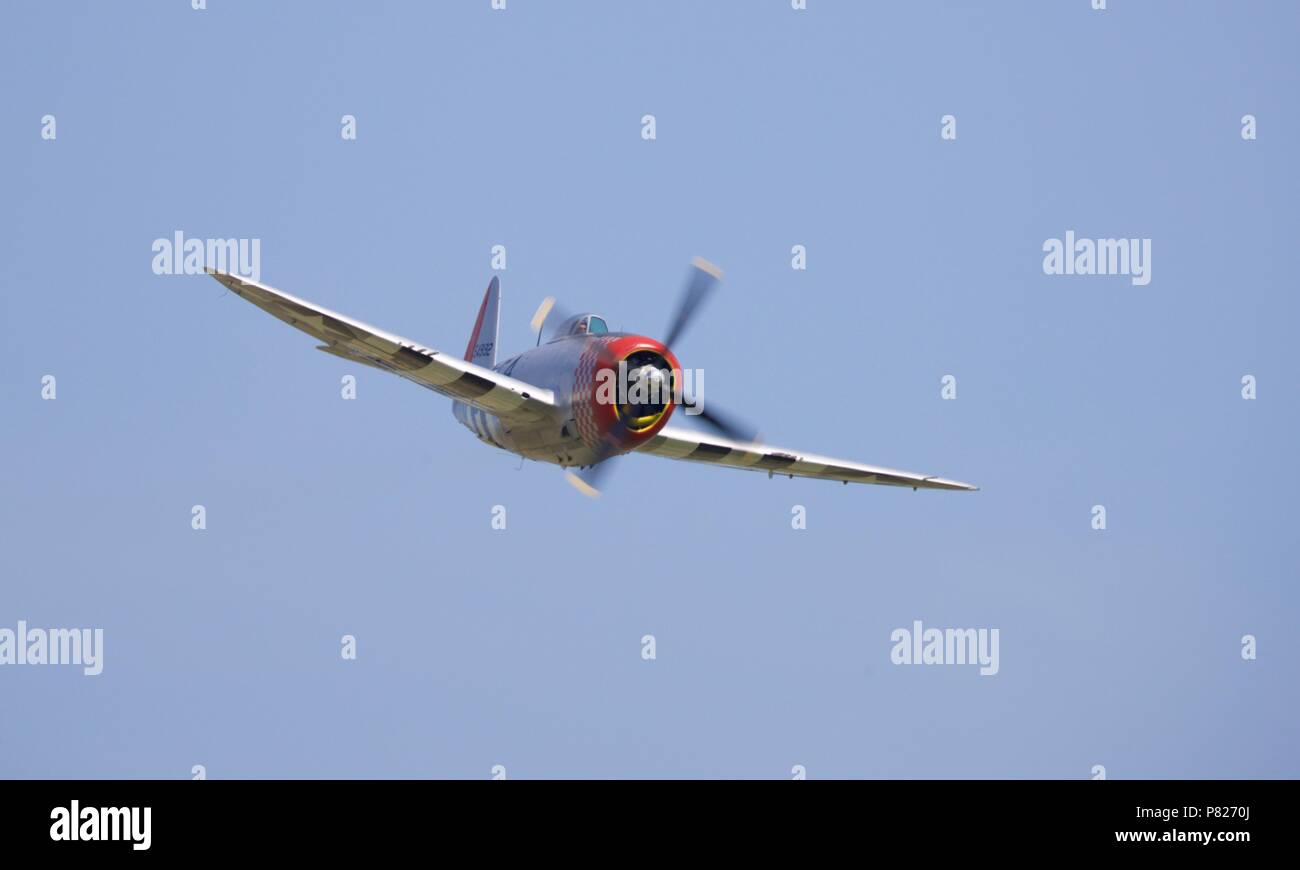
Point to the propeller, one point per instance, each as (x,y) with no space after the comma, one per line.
(587,480)
(548,311)
(543,311)
(701,282)
(704,277)
(726,424)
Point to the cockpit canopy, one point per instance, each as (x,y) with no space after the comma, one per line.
(582,324)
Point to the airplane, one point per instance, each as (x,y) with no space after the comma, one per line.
(547,404)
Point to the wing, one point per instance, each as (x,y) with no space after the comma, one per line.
(678,443)
(510,399)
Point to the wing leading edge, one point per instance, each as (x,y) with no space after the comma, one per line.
(475,385)
(678,443)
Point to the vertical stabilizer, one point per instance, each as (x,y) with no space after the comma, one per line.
(482,348)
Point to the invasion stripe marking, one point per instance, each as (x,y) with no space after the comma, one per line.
(708,451)
(471,385)
(411,359)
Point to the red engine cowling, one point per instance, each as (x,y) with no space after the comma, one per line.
(609,410)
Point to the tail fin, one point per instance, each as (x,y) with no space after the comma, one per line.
(482,348)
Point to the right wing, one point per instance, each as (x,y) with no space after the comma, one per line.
(475,385)
(678,443)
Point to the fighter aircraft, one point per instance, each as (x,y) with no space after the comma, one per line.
(581,398)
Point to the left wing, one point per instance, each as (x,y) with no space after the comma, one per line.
(677,443)
(510,399)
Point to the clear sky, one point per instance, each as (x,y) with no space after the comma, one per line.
(522,647)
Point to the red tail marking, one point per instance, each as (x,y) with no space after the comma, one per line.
(478,326)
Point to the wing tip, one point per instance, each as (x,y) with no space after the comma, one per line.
(225,279)
(945,483)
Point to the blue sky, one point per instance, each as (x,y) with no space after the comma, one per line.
(522,647)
